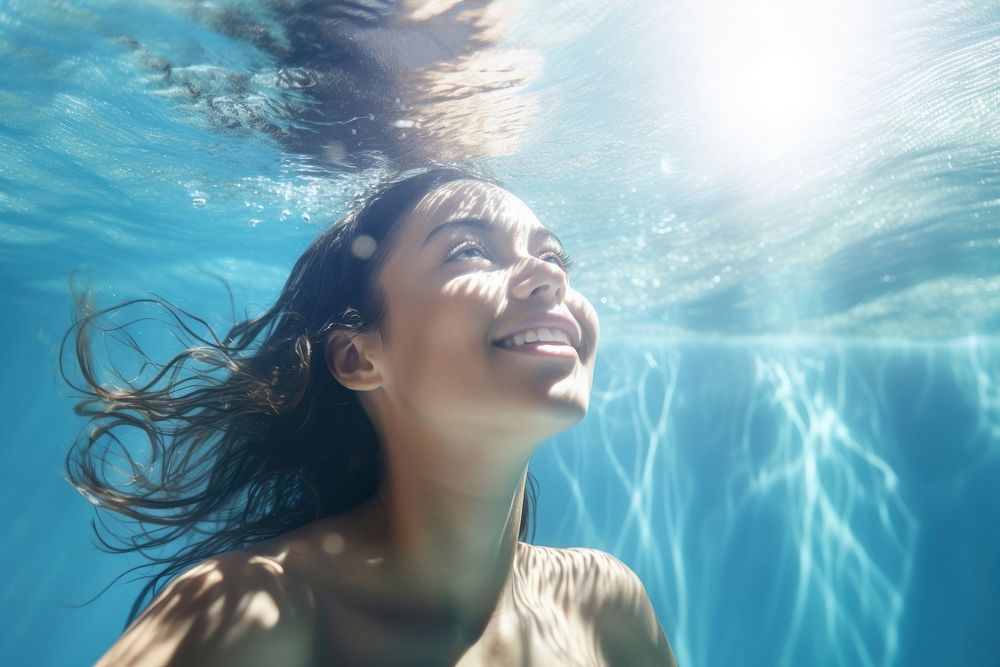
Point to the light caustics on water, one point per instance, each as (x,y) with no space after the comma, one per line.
(779,503)
(832,475)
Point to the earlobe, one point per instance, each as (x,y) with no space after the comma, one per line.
(348,362)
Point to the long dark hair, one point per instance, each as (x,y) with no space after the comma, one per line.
(247,436)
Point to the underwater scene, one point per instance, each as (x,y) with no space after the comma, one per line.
(786,214)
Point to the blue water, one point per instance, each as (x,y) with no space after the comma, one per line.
(786,217)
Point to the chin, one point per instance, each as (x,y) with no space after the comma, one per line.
(557,416)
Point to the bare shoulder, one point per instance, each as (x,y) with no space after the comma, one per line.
(595,578)
(237,609)
(608,593)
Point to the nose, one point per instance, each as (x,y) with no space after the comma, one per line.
(535,277)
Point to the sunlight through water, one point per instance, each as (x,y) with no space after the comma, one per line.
(774,74)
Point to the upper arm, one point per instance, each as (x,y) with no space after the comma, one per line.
(628,630)
(226,611)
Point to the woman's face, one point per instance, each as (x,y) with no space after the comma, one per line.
(471,266)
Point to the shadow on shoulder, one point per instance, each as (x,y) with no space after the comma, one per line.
(236,609)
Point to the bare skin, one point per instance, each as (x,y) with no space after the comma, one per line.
(429,571)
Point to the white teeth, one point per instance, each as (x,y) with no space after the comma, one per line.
(539,335)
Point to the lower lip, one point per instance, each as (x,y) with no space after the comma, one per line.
(543,349)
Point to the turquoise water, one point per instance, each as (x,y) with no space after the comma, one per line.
(786,218)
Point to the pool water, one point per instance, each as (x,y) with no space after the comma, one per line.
(785,215)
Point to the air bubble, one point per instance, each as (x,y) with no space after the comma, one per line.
(363,247)
(335,151)
(334,544)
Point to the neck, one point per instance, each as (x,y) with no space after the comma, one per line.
(452,520)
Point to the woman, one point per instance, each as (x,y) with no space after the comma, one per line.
(361,462)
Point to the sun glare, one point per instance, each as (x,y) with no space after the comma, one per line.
(771,74)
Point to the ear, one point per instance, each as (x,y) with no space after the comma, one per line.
(348,358)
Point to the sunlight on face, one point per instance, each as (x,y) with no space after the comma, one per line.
(471,264)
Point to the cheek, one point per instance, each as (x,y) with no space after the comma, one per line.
(586,314)
(435,343)
(591,315)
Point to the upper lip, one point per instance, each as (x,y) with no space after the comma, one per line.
(548,321)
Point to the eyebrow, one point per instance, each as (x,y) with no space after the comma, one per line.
(487,226)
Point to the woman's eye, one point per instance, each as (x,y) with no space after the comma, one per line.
(470,248)
(562,260)
(478,251)
(462,249)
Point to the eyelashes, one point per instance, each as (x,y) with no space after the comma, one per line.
(472,243)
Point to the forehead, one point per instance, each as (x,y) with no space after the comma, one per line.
(470,199)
